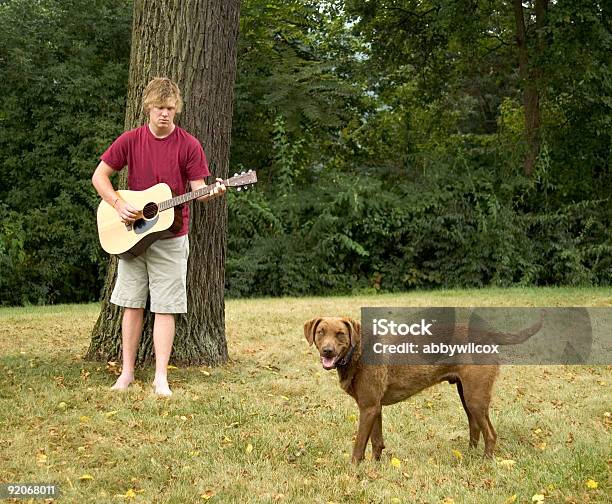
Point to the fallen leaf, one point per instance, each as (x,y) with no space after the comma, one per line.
(448,500)
(249,448)
(109,414)
(84,419)
(85,477)
(208,494)
(458,455)
(395,462)
(507,464)
(172,367)
(510,500)
(537,498)
(130,494)
(591,484)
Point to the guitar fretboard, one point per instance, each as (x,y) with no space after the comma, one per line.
(184,198)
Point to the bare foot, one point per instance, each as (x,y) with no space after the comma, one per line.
(161,387)
(122,382)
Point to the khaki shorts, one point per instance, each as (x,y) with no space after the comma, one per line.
(160,270)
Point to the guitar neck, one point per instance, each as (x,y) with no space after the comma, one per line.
(184,198)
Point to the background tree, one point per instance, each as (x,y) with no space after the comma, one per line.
(193,43)
(530,75)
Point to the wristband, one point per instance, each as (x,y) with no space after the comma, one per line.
(115,202)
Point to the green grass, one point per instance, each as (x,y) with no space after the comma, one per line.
(273,426)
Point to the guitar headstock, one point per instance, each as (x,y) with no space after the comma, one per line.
(242,180)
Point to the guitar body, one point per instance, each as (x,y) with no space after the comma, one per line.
(129,241)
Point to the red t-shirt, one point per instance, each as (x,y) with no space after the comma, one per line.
(175,160)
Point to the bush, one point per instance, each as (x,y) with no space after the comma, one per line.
(452,228)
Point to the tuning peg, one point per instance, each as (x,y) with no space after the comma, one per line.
(239,189)
(235,174)
(242,173)
(250,171)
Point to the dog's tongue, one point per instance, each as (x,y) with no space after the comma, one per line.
(328,362)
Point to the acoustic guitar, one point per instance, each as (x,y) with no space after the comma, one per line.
(161,215)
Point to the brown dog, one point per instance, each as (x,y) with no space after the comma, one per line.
(338,341)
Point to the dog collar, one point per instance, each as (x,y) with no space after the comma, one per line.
(347,358)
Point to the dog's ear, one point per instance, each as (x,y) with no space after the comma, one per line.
(354,327)
(309,329)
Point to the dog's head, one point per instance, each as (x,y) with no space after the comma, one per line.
(333,336)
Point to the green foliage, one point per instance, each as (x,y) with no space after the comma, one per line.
(388,137)
(460,225)
(63,80)
(359,234)
(286,72)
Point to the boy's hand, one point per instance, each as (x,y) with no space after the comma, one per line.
(218,191)
(127,213)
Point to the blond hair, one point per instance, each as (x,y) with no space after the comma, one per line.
(159,92)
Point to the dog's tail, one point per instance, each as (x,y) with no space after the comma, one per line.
(503,338)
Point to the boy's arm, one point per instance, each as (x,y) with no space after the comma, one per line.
(103,185)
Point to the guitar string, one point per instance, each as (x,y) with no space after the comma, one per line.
(165,205)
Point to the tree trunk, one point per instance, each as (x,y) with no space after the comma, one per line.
(530,75)
(193,42)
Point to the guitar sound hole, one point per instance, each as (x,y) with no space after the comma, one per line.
(150,210)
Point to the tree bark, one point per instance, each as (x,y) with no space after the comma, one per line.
(194,43)
(530,75)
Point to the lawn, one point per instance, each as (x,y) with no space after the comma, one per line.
(272,426)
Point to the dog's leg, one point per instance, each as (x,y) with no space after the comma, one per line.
(367,417)
(477,402)
(377,437)
(490,455)
(474,429)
